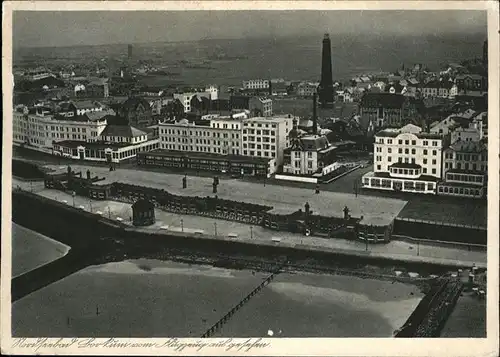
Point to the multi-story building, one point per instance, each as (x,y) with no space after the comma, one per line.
(307,155)
(471,82)
(256,84)
(39,128)
(465,134)
(186,98)
(214,92)
(431,89)
(380,110)
(79,107)
(261,106)
(465,169)
(37,74)
(221,136)
(20,125)
(136,111)
(98,88)
(307,89)
(118,143)
(406,159)
(266,138)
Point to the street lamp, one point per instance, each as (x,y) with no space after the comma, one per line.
(73,194)
(215,228)
(251,232)
(182,224)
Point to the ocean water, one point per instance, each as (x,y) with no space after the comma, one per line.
(149,298)
(292,58)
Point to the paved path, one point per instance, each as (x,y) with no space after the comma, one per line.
(255,234)
(375,210)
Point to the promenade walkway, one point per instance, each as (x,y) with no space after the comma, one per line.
(227,230)
(375,210)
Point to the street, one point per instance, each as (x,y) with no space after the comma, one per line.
(166,221)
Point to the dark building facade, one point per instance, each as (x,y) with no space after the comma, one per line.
(325,89)
(136,111)
(143,212)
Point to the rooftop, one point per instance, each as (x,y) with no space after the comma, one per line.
(469,146)
(385,100)
(73,144)
(86,104)
(126,131)
(202,155)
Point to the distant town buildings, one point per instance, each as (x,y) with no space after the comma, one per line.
(136,111)
(256,84)
(307,89)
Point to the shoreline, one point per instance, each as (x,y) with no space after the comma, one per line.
(55,245)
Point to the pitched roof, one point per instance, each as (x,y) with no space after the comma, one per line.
(126,131)
(384,100)
(143,204)
(93,116)
(86,104)
(133,102)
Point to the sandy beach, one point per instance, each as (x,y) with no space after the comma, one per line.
(31,250)
(150,298)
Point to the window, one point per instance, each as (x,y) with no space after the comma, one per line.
(389,150)
(400,150)
(434,152)
(414,142)
(425,150)
(413,151)
(433,171)
(434,162)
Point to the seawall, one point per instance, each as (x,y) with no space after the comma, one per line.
(95,240)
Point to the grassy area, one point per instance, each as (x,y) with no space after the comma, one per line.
(447,210)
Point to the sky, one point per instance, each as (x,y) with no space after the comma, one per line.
(48,29)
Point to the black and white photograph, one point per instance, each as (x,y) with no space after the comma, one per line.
(249,175)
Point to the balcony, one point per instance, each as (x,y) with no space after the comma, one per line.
(405,170)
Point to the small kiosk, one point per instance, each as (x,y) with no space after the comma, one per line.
(143,212)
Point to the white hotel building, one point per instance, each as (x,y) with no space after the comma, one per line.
(407,160)
(39,128)
(255,137)
(267,138)
(84,137)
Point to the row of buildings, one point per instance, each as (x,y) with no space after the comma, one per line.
(87,135)
(409,159)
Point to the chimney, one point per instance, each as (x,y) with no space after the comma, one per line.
(315,116)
